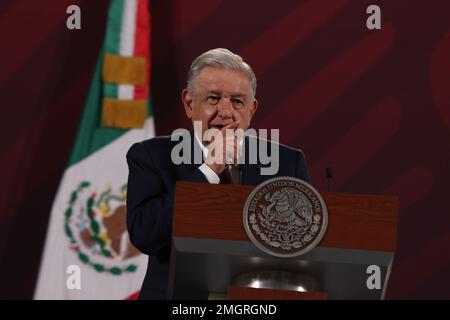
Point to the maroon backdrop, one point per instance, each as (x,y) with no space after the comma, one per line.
(373,104)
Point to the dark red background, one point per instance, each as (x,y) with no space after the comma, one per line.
(373,104)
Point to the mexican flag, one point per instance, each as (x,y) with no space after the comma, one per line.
(87,252)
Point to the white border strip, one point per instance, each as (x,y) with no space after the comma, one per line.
(126,91)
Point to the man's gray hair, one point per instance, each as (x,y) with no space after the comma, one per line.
(222,59)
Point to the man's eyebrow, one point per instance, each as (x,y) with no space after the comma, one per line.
(239,95)
(234,95)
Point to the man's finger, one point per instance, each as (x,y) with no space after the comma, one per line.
(232,125)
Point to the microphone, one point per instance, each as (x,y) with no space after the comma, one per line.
(329,174)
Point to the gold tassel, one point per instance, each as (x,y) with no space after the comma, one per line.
(124,114)
(124,70)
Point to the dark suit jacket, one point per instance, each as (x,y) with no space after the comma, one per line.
(151,186)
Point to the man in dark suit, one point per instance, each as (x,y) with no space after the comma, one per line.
(220,95)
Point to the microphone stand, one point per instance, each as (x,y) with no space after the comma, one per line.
(329,174)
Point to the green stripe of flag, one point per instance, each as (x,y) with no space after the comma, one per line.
(112,39)
(114,26)
(91,135)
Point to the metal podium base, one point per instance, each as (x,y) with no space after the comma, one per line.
(200,267)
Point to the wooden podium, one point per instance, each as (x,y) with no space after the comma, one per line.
(210,247)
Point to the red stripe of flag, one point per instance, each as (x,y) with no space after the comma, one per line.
(142,45)
(134,296)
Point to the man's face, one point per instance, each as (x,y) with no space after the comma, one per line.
(220,97)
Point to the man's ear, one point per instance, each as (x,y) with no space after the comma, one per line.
(186,97)
(253,108)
